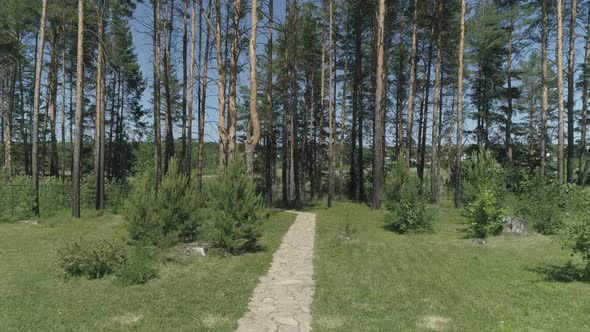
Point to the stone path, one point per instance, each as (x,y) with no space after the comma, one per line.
(282,299)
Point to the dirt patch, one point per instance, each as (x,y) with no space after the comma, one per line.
(331,322)
(434,323)
(211,321)
(127,319)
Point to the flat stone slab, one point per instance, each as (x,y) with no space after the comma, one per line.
(282,299)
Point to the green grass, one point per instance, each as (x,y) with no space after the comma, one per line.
(191,294)
(382,281)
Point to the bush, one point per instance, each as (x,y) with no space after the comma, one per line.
(406,205)
(541,204)
(479,171)
(411,212)
(577,238)
(139,267)
(485,213)
(171,215)
(92,259)
(235,204)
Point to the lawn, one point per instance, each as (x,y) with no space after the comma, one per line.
(191,294)
(382,281)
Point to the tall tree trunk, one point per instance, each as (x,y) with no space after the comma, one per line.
(223,137)
(509,109)
(294,160)
(320,149)
(185,156)
(203,107)
(233,81)
(63,110)
(401,82)
(435,111)
(544,79)
(570,94)
(285,146)
(343,126)
(254,121)
(269,155)
(379,124)
(584,119)
(100,113)
(187,125)
(168,130)
(426,105)
(560,138)
(331,125)
(9,119)
(52,98)
(532,133)
(79,107)
(412,96)
(459,148)
(23,127)
(156,101)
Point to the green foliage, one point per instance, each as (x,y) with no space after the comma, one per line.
(540,203)
(577,238)
(164,218)
(91,259)
(139,267)
(397,178)
(17,198)
(485,213)
(141,215)
(482,170)
(235,205)
(407,209)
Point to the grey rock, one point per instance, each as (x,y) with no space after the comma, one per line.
(516,225)
(480,242)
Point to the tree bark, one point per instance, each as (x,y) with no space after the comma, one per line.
(52,99)
(560,138)
(203,107)
(509,109)
(186,165)
(343,126)
(285,146)
(570,94)
(379,124)
(269,155)
(435,111)
(223,136)
(233,82)
(63,111)
(168,130)
(459,149)
(331,125)
(254,121)
(544,79)
(156,101)
(79,106)
(187,139)
(100,113)
(320,149)
(412,96)
(584,119)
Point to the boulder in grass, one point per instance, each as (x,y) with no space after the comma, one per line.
(516,225)
(195,248)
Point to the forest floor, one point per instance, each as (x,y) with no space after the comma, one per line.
(370,279)
(204,293)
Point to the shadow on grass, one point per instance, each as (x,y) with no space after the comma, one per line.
(569,272)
